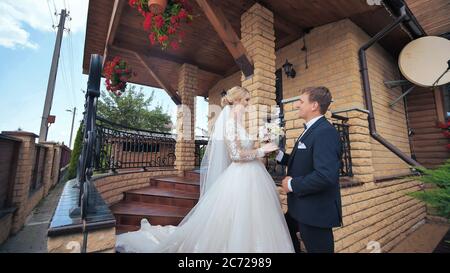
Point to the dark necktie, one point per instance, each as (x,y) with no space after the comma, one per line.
(305,127)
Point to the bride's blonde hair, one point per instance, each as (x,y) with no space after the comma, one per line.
(233,94)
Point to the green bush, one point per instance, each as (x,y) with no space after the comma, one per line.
(75,153)
(437,196)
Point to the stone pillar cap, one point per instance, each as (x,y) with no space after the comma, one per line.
(20,133)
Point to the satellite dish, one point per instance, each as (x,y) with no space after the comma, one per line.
(425,60)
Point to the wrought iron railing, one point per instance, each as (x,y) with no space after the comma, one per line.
(200,148)
(346,162)
(122,147)
(278,171)
(85,161)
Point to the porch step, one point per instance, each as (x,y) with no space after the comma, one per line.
(195,174)
(161,196)
(166,201)
(131,213)
(125,228)
(176,183)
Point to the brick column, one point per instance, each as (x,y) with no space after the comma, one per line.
(185,146)
(23,176)
(258,38)
(48,166)
(361,147)
(56,164)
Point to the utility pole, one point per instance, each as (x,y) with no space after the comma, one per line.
(52,78)
(73,119)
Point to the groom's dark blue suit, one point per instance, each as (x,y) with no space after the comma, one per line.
(315,201)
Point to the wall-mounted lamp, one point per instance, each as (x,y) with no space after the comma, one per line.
(289,69)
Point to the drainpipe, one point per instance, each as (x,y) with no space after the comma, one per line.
(366,84)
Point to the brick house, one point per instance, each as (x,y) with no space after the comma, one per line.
(322,41)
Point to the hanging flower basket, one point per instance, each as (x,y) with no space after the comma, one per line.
(117,73)
(164,27)
(157,6)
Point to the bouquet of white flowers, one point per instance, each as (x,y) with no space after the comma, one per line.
(271,131)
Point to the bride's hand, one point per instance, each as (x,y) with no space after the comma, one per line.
(269,147)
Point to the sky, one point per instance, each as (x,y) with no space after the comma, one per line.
(27,40)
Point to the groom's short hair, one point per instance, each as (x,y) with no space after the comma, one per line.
(319,94)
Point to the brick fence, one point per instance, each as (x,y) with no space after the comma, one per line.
(27,173)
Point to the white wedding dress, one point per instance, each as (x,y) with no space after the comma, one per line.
(238,210)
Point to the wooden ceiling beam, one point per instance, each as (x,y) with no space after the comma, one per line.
(153,72)
(227,35)
(113,25)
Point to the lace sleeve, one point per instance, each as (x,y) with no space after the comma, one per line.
(235,149)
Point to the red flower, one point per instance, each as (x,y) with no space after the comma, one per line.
(182,14)
(447,134)
(116,73)
(148,21)
(159,21)
(173,19)
(164,28)
(152,38)
(171,30)
(163,38)
(448,146)
(174,45)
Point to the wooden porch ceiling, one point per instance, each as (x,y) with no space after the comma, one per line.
(433,15)
(202,45)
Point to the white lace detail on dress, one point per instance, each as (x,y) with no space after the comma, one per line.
(240,146)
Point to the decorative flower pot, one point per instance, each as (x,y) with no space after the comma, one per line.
(157,6)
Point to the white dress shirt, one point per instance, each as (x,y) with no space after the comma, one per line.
(281,154)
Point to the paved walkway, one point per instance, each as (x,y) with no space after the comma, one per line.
(423,240)
(33,236)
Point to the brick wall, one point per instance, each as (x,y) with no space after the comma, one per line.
(333,62)
(112,186)
(379,212)
(373,212)
(22,200)
(390,121)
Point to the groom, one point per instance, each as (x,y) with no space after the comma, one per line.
(312,181)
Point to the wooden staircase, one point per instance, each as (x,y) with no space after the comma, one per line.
(164,202)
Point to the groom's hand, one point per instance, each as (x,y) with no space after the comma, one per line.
(284,184)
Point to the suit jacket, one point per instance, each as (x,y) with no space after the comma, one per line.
(316,198)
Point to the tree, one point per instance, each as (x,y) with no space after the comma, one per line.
(438,195)
(132,110)
(75,153)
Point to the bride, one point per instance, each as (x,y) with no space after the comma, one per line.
(239,208)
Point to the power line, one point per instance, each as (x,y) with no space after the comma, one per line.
(71,65)
(71,55)
(64,76)
(54,6)
(51,14)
